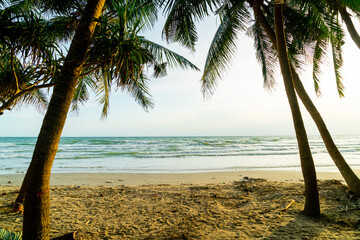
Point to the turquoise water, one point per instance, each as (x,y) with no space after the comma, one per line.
(174,154)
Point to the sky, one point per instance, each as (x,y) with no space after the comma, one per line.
(240,105)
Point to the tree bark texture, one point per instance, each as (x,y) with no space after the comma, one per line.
(312,205)
(348,174)
(37,188)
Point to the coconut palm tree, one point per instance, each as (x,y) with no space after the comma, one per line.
(315,16)
(223,45)
(121,57)
(220,53)
(350,177)
(312,205)
(36,223)
(112,61)
(227,28)
(23,28)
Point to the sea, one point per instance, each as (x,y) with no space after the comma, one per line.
(175,154)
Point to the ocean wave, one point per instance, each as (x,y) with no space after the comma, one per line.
(175,153)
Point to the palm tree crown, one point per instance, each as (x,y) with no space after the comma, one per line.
(118,55)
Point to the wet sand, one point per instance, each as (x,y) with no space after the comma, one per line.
(136,179)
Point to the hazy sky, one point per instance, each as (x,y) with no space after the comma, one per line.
(240,105)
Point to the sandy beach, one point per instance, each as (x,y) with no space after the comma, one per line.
(136,179)
(218,205)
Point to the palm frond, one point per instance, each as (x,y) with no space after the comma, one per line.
(139,89)
(103,94)
(7,235)
(62,28)
(222,50)
(304,25)
(81,93)
(37,99)
(265,54)
(58,7)
(4,3)
(319,52)
(181,18)
(354,5)
(162,54)
(160,70)
(31,36)
(137,12)
(315,24)
(336,41)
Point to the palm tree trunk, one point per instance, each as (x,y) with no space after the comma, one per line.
(348,174)
(312,205)
(349,25)
(19,202)
(37,188)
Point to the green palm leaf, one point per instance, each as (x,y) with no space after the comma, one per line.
(7,235)
(118,55)
(181,18)
(103,93)
(319,53)
(81,94)
(354,5)
(222,49)
(265,55)
(162,54)
(138,12)
(140,91)
(337,41)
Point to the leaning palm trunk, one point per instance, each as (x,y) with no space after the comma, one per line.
(312,205)
(348,174)
(349,25)
(37,188)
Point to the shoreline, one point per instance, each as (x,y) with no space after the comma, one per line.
(138,179)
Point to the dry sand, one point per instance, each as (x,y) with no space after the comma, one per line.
(191,206)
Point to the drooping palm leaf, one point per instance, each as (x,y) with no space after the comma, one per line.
(265,55)
(320,27)
(222,48)
(36,98)
(337,41)
(162,54)
(103,94)
(304,25)
(119,56)
(137,12)
(319,53)
(181,18)
(81,94)
(140,91)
